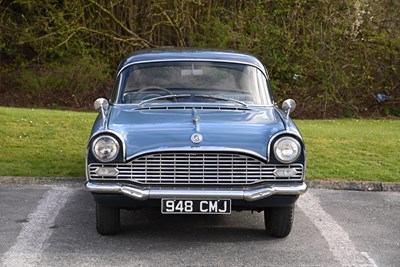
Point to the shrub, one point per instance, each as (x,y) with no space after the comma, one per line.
(65,83)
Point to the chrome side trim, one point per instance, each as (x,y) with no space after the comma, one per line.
(87,165)
(244,193)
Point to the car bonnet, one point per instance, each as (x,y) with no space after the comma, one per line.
(146,130)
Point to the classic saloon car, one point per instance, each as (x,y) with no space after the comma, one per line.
(194,131)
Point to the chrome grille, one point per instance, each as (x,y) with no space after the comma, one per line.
(196,168)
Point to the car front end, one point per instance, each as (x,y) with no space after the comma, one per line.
(194,132)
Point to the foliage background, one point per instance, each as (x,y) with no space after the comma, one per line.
(332,56)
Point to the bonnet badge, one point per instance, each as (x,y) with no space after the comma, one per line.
(197,138)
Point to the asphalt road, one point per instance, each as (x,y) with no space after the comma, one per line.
(55,226)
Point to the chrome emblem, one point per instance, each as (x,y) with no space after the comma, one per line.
(196,138)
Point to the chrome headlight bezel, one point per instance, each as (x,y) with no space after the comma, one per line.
(294,145)
(115,150)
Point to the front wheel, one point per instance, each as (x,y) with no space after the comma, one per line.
(107,220)
(279,221)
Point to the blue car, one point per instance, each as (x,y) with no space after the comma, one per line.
(192,131)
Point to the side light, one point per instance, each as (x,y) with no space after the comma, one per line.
(107,171)
(287,172)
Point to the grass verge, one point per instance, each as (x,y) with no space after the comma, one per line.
(364,150)
(43,143)
(50,143)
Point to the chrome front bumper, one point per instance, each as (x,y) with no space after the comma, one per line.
(247,193)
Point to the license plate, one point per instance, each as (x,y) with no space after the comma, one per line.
(198,206)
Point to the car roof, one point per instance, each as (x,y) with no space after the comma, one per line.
(189,54)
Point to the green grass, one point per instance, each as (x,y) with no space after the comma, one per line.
(365,150)
(49,143)
(43,143)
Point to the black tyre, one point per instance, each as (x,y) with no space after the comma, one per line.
(107,220)
(279,221)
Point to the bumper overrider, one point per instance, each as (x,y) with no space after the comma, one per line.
(248,193)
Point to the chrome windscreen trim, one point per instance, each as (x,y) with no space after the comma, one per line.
(192,60)
(191,105)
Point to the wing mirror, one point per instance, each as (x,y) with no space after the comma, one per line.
(288,106)
(101,105)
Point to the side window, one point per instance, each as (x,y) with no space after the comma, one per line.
(114,93)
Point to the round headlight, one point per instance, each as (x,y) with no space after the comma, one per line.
(287,149)
(105,148)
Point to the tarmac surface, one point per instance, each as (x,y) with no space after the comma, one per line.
(317,184)
(53,224)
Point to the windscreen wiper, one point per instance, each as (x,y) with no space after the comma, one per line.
(224,99)
(162,97)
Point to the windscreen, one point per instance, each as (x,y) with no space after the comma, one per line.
(211,82)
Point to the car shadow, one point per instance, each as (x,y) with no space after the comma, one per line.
(74,231)
(151,224)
